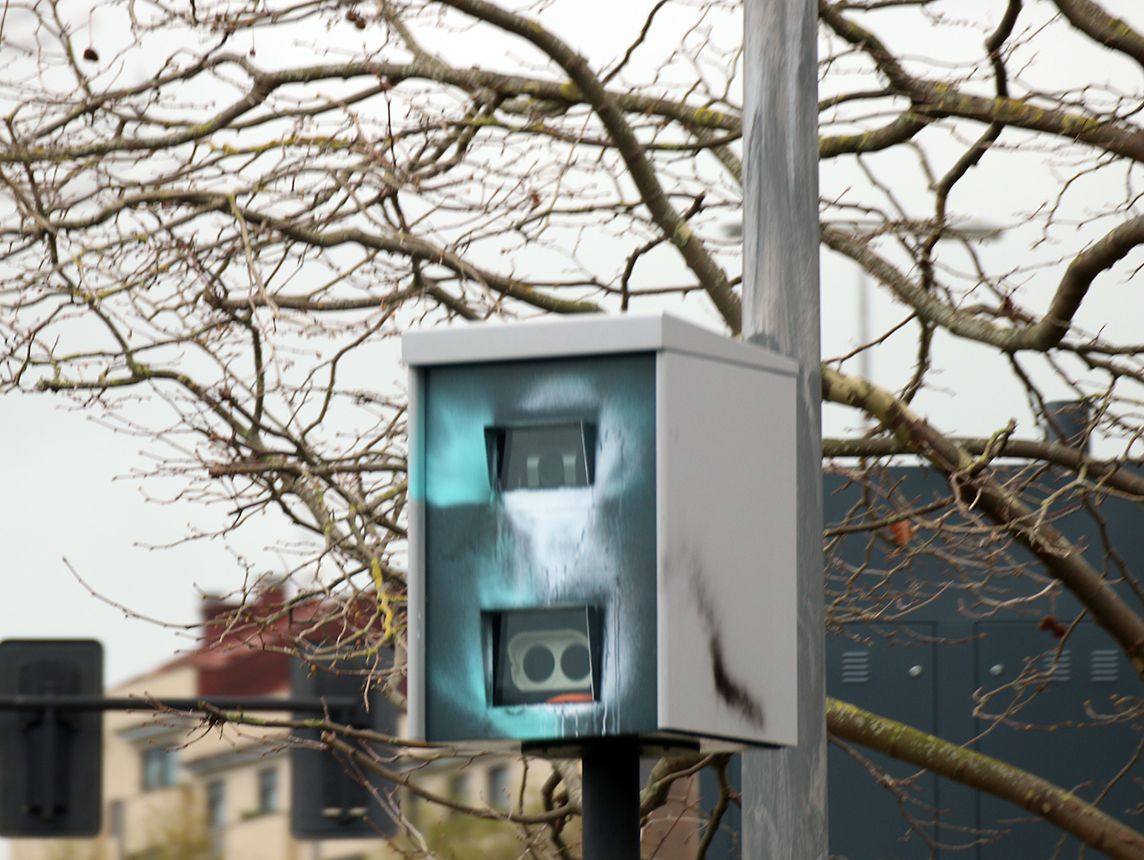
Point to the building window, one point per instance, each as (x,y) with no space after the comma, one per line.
(459,787)
(158,768)
(216,805)
(268,790)
(115,818)
(500,796)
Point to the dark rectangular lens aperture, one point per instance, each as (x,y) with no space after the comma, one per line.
(543,655)
(541,456)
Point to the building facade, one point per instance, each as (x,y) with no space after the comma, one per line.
(177,787)
(174,786)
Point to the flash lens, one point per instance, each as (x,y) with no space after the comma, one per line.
(539,664)
(576,662)
(537,660)
(542,655)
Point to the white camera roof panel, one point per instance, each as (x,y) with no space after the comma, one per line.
(587,334)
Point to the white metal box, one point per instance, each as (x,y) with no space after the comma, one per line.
(602,534)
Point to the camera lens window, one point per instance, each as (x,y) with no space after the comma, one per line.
(540,456)
(538,664)
(545,655)
(576,662)
(552,472)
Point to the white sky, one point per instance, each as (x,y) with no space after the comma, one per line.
(65,497)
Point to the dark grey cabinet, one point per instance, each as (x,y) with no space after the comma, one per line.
(1051,715)
(869,666)
(986,667)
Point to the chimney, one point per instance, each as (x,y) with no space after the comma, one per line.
(214,614)
(270,596)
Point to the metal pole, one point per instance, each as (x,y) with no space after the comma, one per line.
(132,703)
(784,791)
(864,364)
(611,800)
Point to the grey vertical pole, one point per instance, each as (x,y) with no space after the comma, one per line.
(784,792)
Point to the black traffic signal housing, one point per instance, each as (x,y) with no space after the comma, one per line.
(51,758)
(331,796)
(51,744)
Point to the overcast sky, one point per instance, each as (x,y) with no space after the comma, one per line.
(66,497)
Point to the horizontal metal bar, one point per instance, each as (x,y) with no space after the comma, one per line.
(136,703)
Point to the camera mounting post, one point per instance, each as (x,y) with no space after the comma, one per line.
(591,572)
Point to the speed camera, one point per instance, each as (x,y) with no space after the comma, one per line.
(601,535)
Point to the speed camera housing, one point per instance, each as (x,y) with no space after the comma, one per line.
(601,535)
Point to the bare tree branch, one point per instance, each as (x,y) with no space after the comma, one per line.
(1061,559)
(1063,808)
(1095,21)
